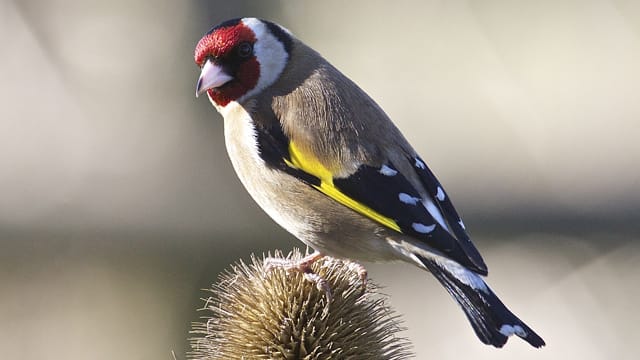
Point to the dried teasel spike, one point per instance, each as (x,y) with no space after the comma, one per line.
(253,313)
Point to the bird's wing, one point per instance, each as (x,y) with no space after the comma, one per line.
(381,193)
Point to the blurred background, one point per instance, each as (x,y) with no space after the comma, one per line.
(118,203)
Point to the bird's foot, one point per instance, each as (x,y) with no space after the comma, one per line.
(362,273)
(304,266)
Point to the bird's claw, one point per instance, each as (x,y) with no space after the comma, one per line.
(304,266)
(321,283)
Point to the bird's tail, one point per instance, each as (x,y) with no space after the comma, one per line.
(491,320)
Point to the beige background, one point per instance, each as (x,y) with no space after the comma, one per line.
(118,203)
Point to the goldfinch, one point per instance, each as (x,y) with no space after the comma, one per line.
(322,159)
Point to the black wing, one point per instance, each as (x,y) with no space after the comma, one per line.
(433,221)
(388,192)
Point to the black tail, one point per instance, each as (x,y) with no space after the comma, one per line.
(491,320)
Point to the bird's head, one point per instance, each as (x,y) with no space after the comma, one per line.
(240,57)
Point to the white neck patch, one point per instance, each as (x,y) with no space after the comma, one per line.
(269,52)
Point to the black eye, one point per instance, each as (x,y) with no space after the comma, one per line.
(245,50)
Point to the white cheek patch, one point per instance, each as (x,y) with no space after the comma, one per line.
(270,53)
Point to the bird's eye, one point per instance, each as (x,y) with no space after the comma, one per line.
(245,50)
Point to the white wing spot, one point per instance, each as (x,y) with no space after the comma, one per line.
(420,164)
(422,228)
(408,199)
(462,224)
(435,213)
(508,330)
(440,194)
(387,171)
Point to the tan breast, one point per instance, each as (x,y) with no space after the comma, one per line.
(318,221)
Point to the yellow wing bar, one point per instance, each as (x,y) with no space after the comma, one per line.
(311,165)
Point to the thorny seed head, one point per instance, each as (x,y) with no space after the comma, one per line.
(275,314)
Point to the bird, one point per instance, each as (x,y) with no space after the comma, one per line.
(326,163)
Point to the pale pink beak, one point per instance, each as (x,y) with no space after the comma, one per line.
(211,76)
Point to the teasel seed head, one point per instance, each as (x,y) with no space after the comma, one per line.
(254,313)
